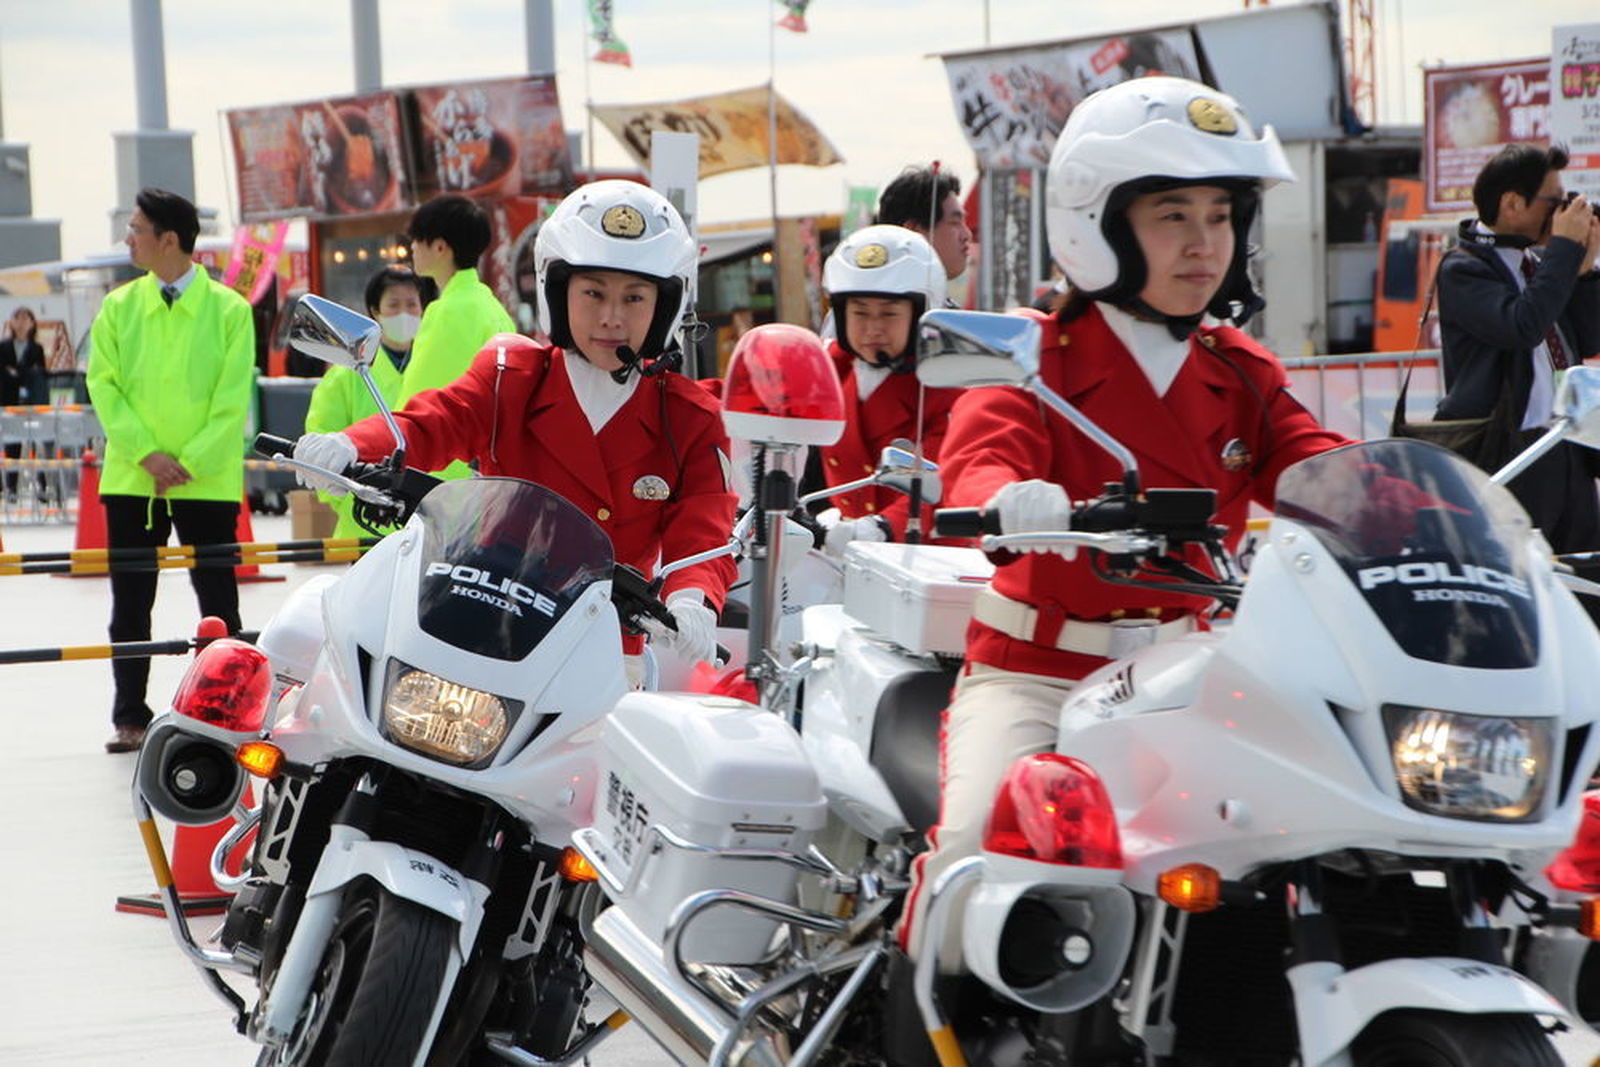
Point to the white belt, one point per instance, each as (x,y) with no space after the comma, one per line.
(1111,640)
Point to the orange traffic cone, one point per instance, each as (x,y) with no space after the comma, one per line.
(91,531)
(192,847)
(250,572)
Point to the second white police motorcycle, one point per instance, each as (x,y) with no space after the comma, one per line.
(1310,834)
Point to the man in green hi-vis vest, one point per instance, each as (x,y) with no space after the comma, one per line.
(172,357)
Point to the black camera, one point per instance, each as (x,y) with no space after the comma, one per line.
(1572,194)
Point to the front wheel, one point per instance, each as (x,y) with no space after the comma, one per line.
(376,987)
(1444,1039)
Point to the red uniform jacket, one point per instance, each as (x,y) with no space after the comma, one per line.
(889,412)
(1227,422)
(522,420)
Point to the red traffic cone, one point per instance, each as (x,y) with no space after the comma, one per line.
(250,572)
(91,530)
(192,847)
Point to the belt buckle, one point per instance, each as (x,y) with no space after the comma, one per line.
(1130,635)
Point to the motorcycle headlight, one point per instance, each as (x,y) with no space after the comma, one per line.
(1488,768)
(440,718)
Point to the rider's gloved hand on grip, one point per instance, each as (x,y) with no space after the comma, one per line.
(696,636)
(331,451)
(842,531)
(1034,506)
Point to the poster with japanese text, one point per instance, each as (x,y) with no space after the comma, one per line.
(1469,114)
(490,139)
(323,158)
(1575,104)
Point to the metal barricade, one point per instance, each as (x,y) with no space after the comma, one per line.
(43,448)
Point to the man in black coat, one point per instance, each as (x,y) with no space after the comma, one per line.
(1509,314)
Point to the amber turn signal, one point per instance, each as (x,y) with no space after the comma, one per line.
(1589,918)
(574,868)
(261,758)
(1191,887)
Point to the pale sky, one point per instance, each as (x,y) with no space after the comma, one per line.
(863,74)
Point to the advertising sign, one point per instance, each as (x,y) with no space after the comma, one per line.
(1469,114)
(1575,104)
(325,158)
(490,139)
(1012,104)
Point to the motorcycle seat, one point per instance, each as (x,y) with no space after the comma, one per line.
(905,741)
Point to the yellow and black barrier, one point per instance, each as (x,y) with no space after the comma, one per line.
(115,650)
(186,557)
(9,463)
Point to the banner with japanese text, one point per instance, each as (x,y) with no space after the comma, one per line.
(1011,104)
(733,129)
(1575,104)
(252,263)
(1469,114)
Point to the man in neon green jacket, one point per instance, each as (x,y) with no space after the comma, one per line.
(448,235)
(397,299)
(171,364)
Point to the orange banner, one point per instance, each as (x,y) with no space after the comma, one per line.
(732,127)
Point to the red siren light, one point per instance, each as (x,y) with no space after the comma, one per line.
(1054,808)
(781,388)
(228,685)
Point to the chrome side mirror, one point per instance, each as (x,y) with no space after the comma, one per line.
(1579,401)
(967,348)
(899,467)
(331,332)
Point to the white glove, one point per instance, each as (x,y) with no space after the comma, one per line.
(331,451)
(1031,507)
(843,531)
(696,636)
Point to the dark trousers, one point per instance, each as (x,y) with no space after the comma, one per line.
(133,593)
(1559,494)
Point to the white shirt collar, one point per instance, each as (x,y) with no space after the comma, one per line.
(184,280)
(598,395)
(1151,345)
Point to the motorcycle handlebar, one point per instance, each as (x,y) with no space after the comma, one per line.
(272,445)
(1098,516)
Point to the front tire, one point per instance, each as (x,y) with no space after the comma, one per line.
(1443,1039)
(376,987)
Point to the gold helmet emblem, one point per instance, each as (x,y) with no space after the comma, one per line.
(870,256)
(622,221)
(1212,116)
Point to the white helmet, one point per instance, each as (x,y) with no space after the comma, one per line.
(616,225)
(1139,136)
(888,261)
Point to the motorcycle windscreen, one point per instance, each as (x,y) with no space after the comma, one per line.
(502,561)
(1436,549)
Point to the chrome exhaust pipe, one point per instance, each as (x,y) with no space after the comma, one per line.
(628,965)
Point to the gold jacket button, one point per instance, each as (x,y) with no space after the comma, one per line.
(871,506)
(833,461)
(603,514)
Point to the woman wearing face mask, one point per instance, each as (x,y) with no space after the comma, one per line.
(395,297)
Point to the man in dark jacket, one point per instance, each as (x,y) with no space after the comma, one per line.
(1519,301)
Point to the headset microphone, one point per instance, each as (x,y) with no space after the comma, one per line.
(648,368)
(629,358)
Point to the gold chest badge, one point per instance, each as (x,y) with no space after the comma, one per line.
(1236,456)
(651,487)
(622,220)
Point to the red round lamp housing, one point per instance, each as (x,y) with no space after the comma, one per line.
(1055,809)
(781,388)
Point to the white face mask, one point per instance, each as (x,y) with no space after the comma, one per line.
(400,328)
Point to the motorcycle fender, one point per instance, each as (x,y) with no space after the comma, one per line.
(415,876)
(1332,1006)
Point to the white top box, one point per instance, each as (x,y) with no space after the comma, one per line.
(918,596)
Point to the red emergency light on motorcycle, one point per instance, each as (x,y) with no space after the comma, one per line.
(1054,808)
(781,388)
(227,685)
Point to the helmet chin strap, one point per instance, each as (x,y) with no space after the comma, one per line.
(647,368)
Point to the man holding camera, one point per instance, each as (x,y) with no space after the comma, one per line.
(1519,301)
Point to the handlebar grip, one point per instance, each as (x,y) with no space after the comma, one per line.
(271,444)
(965,522)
